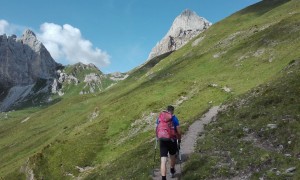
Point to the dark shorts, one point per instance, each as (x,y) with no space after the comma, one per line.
(167,147)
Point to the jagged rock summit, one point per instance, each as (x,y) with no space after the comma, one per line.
(26,68)
(186,26)
(24,60)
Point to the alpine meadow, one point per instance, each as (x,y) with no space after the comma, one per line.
(248,62)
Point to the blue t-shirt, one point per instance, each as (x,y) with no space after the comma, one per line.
(175,121)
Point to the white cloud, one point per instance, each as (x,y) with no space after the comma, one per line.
(9,29)
(66,43)
(3,26)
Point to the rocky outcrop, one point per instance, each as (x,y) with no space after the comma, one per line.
(24,60)
(83,78)
(80,67)
(56,87)
(185,27)
(117,76)
(24,63)
(92,83)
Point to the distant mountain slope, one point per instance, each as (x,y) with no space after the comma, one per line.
(111,133)
(84,79)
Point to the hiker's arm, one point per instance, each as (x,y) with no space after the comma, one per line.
(178,133)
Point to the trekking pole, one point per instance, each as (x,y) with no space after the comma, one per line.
(155,148)
(154,156)
(179,155)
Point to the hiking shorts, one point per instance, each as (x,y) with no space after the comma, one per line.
(167,147)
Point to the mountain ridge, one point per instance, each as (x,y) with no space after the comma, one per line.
(30,76)
(28,60)
(109,131)
(24,62)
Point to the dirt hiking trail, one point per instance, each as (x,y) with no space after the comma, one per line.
(188,143)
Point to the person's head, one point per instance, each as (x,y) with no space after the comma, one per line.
(170,109)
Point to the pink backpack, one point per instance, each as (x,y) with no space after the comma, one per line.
(165,129)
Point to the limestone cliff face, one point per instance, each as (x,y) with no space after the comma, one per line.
(186,26)
(24,60)
(26,69)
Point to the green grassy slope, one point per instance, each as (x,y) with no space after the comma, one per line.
(108,131)
(257,135)
(79,71)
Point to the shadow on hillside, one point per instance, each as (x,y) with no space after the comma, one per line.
(3,93)
(263,7)
(41,106)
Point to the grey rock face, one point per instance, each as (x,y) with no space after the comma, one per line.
(24,60)
(93,82)
(186,26)
(118,76)
(57,85)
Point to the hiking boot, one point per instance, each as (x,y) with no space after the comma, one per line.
(172,172)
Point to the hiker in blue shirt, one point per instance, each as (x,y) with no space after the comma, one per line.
(169,145)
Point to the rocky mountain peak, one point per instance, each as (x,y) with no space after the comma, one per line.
(29,38)
(26,61)
(91,65)
(187,21)
(79,67)
(185,26)
(23,62)
(28,33)
(187,12)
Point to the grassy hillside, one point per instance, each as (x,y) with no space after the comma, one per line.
(256,136)
(109,135)
(79,72)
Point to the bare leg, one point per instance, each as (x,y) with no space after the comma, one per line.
(163,165)
(173,161)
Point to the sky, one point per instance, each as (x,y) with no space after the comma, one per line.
(115,35)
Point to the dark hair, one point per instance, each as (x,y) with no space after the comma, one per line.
(170,108)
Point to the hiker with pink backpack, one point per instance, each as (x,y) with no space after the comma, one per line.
(169,136)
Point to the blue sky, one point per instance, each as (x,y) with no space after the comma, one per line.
(116,35)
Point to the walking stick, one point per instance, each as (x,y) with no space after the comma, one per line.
(179,155)
(155,149)
(153,174)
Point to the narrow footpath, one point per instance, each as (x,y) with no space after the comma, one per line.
(188,143)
